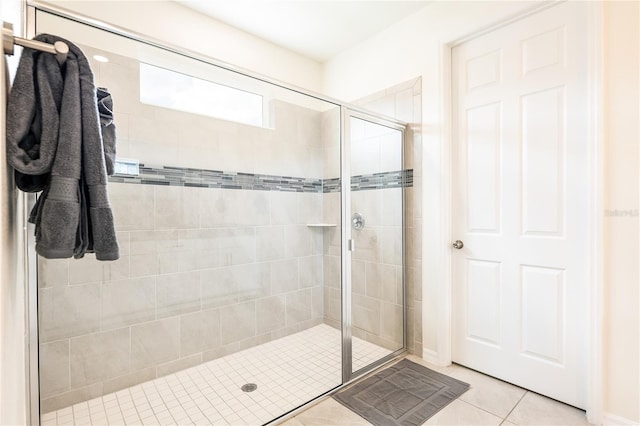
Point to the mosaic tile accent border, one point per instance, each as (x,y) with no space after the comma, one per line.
(202,178)
(397,179)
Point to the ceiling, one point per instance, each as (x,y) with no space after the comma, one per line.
(318,29)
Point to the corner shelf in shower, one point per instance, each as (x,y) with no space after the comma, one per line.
(321,225)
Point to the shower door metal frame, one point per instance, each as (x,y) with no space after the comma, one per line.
(347,241)
(26,201)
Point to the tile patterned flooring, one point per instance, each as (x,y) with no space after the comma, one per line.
(488,402)
(288,371)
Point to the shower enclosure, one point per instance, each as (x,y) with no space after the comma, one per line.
(261,232)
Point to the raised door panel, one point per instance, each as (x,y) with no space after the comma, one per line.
(483,168)
(543,124)
(543,313)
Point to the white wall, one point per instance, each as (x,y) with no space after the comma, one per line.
(412,48)
(161,20)
(621,203)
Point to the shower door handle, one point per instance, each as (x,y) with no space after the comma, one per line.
(351,245)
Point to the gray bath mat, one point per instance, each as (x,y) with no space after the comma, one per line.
(405,394)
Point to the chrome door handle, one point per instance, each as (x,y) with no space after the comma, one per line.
(457,244)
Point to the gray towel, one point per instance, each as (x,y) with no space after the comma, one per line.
(105,108)
(54,142)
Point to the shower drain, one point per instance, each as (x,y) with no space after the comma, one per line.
(249,387)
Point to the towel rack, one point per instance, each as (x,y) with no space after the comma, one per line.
(59,49)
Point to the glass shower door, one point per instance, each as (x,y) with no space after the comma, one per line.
(375,239)
(224,197)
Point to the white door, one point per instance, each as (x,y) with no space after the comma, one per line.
(520,191)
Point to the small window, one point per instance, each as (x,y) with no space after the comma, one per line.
(170,89)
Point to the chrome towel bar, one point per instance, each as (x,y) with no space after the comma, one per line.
(59,49)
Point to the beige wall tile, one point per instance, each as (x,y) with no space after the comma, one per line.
(218,288)
(238,322)
(299,306)
(297,241)
(311,271)
(237,245)
(98,356)
(370,205)
(177,294)
(116,269)
(54,368)
(381,281)
(365,156)
(367,244)
(176,207)
(391,206)
(269,243)
(181,364)
(68,311)
(252,280)
(86,270)
(317,302)
(53,272)
(331,161)
(128,380)
(332,271)
(155,342)
(390,152)
(212,208)
(366,313)
(284,276)
(199,331)
(332,305)
(198,147)
(153,141)
(358,277)
(243,208)
(69,398)
(270,314)
(285,208)
(236,154)
(331,208)
(128,302)
(392,323)
(132,206)
(143,265)
(177,261)
(391,245)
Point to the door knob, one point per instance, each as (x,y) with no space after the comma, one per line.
(457,244)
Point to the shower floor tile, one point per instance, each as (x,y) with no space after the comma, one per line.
(288,372)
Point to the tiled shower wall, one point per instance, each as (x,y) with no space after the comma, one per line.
(377,299)
(203,272)
(376,271)
(403,102)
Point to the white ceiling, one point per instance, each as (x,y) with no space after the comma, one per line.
(318,29)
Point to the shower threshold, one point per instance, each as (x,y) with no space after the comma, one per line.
(287,372)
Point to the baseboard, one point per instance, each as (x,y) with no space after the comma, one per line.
(609,419)
(431,356)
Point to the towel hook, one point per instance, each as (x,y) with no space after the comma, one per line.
(59,48)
